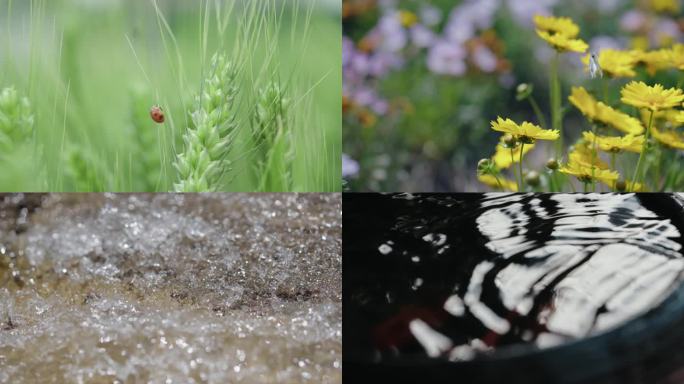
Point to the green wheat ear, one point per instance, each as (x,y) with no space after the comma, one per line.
(16,120)
(273,138)
(204,162)
(82,172)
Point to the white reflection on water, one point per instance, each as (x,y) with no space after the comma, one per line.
(608,259)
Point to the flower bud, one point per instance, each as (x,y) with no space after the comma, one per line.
(523,91)
(532,179)
(552,164)
(621,185)
(484,166)
(510,141)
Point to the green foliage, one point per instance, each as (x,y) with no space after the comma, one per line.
(273,139)
(16,120)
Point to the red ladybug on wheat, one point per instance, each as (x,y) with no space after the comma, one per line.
(157,114)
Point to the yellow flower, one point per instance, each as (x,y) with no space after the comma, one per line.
(628,186)
(563,43)
(407,18)
(582,154)
(678,117)
(654,98)
(587,174)
(502,157)
(670,138)
(498,182)
(556,25)
(526,132)
(677,56)
(665,6)
(580,98)
(598,111)
(615,63)
(639,43)
(661,58)
(673,117)
(619,120)
(615,144)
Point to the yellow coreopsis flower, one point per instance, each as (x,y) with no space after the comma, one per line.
(498,182)
(677,56)
(560,32)
(615,144)
(615,63)
(585,102)
(673,117)
(598,111)
(582,153)
(679,117)
(665,5)
(407,18)
(502,157)
(619,120)
(563,43)
(670,137)
(628,185)
(658,59)
(526,132)
(588,174)
(556,25)
(654,97)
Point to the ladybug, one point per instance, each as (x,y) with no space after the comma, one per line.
(157,114)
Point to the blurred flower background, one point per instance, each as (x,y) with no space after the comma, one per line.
(423,80)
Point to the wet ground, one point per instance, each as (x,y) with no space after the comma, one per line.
(214,288)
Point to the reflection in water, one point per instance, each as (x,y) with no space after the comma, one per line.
(456,276)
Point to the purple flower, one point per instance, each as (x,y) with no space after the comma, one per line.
(632,21)
(350,167)
(383,62)
(485,59)
(393,36)
(468,17)
(430,15)
(380,107)
(664,28)
(348,50)
(600,43)
(447,58)
(422,36)
(360,63)
(365,96)
(523,10)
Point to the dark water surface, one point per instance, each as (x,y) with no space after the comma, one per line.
(458,280)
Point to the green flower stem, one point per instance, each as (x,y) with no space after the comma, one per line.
(612,166)
(517,179)
(555,97)
(637,173)
(594,154)
(538,112)
(552,181)
(496,177)
(660,163)
(520,165)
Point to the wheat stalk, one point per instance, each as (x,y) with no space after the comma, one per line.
(204,161)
